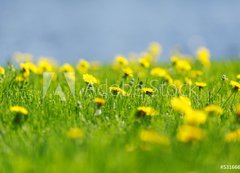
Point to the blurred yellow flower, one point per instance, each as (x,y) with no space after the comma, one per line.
(235,85)
(238,110)
(188,81)
(195,117)
(144,62)
(200,84)
(159,72)
(117,90)
(25,70)
(148,91)
(45,65)
(148,57)
(174,59)
(196,73)
(2,71)
(121,60)
(20,79)
(75,133)
(99,101)
(238,76)
(90,79)
(146,111)
(83,66)
(19,110)
(155,49)
(233,136)
(152,136)
(183,65)
(181,104)
(168,79)
(203,55)
(187,133)
(66,68)
(128,72)
(30,67)
(178,84)
(213,109)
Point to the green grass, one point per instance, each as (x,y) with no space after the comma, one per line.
(41,145)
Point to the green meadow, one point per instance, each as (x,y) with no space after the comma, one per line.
(52,122)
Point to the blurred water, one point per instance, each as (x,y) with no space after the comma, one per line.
(98,30)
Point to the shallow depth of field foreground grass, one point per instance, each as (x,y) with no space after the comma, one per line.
(132,116)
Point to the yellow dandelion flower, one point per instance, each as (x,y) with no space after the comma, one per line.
(90,79)
(155,49)
(99,101)
(146,111)
(45,65)
(121,60)
(178,84)
(187,133)
(233,136)
(175,59)
(2,71)
(181,104)
(159,72)
(148,91)
(117,90)
(144,62)
(25,70)
(183,65)
(168,79)
(83,66)
(200,85)
(203,56)
(66,68)
(151,136)
(31,67)
(213,109)
(128,72)
(20,79)
(19,110)
(238,76)
(147,57)
(75,133)
(235,85)
(238,110)
(196,73)
(195,117)
(188,81)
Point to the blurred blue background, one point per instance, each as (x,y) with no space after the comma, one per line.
(99,30)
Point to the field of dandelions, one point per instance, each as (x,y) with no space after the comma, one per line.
(134,115)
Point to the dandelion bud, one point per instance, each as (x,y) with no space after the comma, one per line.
(99,102)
